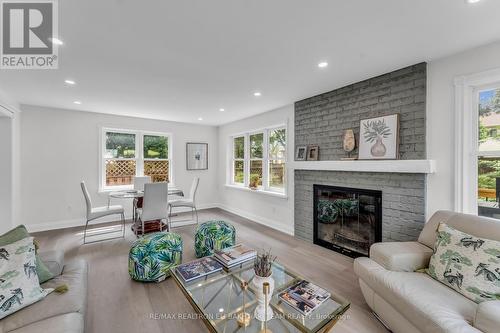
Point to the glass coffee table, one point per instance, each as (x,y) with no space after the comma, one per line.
(218,299)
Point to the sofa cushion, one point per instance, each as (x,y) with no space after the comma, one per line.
(401,256)
(488,317)
(17,234)
(478,226)
(19,285)
(66,323)
(468,264)
(423,301)
(55,304)
(54,260)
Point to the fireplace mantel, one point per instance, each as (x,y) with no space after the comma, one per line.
(391,166)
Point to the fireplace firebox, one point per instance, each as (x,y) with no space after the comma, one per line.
(347,220)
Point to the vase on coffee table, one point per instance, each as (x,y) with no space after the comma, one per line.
(260,310)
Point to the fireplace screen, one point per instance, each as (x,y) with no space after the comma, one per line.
(347,220)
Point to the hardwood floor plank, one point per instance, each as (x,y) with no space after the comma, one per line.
(118,304)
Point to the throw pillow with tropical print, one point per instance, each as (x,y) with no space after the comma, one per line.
(19,285)
(468,264)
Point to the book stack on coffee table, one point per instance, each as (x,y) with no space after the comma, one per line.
(235,255)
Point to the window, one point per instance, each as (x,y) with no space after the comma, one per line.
(488,153)
(239,160)
(277,158)
(256,159)
(259,160)
(133,153)
(477,145)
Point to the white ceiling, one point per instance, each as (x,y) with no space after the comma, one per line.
(185,59)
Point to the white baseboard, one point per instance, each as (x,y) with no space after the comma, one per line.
(259,219)
(80,222)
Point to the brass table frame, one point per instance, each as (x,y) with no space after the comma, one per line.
(211,324)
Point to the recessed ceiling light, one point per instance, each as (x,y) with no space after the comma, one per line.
(200,118)
(257,94)
(77,102)
(56,41)
(323,64)
(472,1)
(70,82)
(222,110)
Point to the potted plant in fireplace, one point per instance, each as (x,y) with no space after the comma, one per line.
(263,273)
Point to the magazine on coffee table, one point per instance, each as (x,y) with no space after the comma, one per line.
(234,255)
(304,296)
(198,268)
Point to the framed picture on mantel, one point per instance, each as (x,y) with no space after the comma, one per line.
(301,153)
(379,138)
(312,152)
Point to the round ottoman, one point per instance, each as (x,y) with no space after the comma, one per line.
(151,256)
(213,235)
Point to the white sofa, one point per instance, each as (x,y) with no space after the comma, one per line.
(407,301)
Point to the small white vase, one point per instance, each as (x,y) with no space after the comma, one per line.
(260,310)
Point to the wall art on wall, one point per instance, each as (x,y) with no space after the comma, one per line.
(312,152)
(301,153)
(379,138)
(196,156)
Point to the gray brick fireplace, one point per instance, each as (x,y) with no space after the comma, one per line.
(322,119)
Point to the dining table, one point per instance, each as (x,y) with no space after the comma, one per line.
(134,194)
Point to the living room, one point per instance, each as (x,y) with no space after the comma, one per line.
(204,166)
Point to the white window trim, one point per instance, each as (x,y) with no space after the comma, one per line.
(139,158)
(466,136)
(265,188)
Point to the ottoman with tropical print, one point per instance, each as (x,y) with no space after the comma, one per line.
(151,256)
(213,235)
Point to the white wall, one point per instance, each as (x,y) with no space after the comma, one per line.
(6,202)
(269,210)
(440,118)
(59,148)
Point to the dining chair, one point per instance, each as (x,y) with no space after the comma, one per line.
(139,182)
(94,213)
(154,206)
(189,202)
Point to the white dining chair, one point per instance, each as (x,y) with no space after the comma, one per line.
(139,182)
(189,202)
(154,205)
(94,213)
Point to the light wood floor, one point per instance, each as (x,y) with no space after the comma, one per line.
(118,304)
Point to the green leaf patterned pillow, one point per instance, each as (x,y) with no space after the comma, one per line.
(466,263)
(19,286)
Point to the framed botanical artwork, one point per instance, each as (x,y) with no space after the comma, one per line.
(196,156)
(301,153)
(379,138)
(312,152)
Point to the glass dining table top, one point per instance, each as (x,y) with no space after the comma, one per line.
(130,194)
(218,298)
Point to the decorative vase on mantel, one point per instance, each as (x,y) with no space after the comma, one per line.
(349,144)
(263,273)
